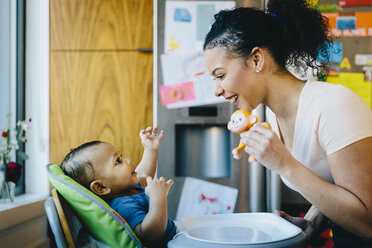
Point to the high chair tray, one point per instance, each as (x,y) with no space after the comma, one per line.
(240,228)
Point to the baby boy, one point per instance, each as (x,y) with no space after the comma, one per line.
(130,190)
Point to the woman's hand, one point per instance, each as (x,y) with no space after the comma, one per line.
(312,230)
(149,138)
(266,147)
(300,222)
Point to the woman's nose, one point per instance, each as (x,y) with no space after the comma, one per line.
(218,91)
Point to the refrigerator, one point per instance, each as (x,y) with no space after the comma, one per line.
(198,144)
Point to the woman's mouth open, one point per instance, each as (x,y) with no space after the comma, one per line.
(233,99)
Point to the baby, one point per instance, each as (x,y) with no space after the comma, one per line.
(131,191)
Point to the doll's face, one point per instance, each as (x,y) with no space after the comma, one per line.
(238,122)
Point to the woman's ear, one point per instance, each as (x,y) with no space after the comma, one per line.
(99,188)
(256,58)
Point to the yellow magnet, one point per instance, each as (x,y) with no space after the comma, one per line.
(345,64)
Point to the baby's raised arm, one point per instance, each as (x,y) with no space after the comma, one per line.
(151,143)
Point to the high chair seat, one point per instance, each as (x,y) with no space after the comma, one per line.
(101,221)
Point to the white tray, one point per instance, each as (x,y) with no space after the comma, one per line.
(241,228)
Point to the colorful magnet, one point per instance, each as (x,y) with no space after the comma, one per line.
(345,64)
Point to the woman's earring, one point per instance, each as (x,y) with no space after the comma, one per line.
(258,70)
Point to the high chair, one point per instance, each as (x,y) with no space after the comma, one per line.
(54,223)
(76,215)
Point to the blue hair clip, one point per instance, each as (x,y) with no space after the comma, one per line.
(273,15)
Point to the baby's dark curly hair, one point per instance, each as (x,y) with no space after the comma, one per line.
(288,29)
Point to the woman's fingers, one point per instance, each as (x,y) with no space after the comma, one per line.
(284,215)
(257,129)
(257,140)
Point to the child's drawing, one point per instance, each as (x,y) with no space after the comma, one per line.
(201,197)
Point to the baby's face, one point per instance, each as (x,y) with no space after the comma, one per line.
(116,172)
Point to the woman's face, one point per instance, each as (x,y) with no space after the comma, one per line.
(236,80)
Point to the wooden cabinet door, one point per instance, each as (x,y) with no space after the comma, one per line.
(100,24)
(99,96)
(100,87)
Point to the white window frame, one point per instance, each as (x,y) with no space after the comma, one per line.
(37,95)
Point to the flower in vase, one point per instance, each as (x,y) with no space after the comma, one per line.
(10,141)
(4,134)
(13,172)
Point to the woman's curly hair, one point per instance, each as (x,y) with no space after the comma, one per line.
(290,30)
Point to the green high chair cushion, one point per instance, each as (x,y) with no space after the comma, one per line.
(97,216)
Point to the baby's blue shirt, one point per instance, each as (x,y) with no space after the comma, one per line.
(134,208)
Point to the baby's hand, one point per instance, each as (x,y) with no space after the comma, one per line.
(158,188)
(150,139)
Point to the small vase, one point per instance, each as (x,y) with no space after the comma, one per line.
(7,189)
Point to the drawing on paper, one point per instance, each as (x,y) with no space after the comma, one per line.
(201,197)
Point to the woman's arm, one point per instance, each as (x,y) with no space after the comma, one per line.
(348,202)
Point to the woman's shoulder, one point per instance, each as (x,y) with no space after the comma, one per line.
(325,89)
(328,96)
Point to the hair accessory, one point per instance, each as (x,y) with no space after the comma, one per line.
(311,3)
(275,16)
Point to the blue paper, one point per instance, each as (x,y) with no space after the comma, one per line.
(335,52)
(205,13)
(182,15)
(346,22)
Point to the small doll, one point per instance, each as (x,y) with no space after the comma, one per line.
(241,121)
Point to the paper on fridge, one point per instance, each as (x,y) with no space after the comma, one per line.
(201,197)
(183,74)
(363,59)
(187,23)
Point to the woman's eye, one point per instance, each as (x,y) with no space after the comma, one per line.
(220,77)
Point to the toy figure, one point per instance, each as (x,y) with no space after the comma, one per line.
(241,121)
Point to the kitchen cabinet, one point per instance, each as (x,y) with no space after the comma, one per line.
(100,84)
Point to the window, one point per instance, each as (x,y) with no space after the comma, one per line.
(24,84)
(12,81)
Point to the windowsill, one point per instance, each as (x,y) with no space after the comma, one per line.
(24,207)
(22,200)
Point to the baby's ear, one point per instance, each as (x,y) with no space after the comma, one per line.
(98,187)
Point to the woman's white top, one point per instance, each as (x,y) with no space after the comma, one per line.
(329,118)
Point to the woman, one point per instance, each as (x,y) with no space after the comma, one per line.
(324,145)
